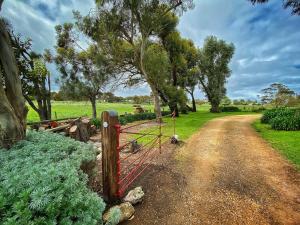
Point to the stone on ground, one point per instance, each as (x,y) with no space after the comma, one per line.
(126,210)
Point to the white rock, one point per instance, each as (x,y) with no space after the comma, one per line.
(134,196)
(99,156)
(126,209)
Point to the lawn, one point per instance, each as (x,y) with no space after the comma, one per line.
(65,109)
(286,142)
(187,124)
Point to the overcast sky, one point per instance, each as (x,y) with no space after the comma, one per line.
(266,37)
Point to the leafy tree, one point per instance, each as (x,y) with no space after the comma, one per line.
(13,110)
(226,101)
(35,77)
(214,58)
(85,71)
(182,56)
(126,28)
(277,94)
(294,4)
(110,97)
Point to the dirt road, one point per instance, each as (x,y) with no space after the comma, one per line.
(224,174)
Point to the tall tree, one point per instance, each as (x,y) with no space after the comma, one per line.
(35,77)
(85,71)
(277,94)
(131,24)
(214,58)
(294,4)
(13,110)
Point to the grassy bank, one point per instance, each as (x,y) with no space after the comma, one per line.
(286,142)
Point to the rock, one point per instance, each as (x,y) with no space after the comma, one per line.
(99,156)
(125,208)
(175,139)
(42,128)
(134,196)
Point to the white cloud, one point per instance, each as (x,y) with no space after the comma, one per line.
(266,37)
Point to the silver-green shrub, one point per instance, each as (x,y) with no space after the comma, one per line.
(41,182)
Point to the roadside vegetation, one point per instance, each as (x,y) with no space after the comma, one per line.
(286,142)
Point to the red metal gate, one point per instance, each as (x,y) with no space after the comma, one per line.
(137,146)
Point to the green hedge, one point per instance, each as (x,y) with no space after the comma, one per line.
(282,118)
(129,118)
(41,182)
(229,109)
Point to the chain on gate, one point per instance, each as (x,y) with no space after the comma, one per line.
(136,155)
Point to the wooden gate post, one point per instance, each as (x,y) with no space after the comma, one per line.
(110,155)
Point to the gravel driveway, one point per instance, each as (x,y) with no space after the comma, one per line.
(224,174)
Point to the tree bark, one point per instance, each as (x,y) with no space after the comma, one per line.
(194,108)
(214,107)
(157,108)
(13,110)
(94,108)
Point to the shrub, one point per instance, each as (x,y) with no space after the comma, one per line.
(41,182)
(277,112)
(96,122)
(287,122)
(129,118)
(229,109)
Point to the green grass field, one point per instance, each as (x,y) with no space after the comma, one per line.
(286,142)
(187,124)
(65,109)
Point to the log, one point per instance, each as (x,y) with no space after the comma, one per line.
(58,128)
(83,131)
(74,132)
(93,130)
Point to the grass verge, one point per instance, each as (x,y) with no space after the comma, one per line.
(187,124)
(286,142)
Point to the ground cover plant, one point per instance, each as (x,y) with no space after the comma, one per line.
(286,142)
(41,182)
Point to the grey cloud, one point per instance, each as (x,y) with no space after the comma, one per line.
(266,37)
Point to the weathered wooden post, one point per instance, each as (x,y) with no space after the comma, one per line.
(110,155)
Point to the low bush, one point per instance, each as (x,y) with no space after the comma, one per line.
(129,118)
(287,122)
(96,122)
(41,182)
(268,115)
(229,109)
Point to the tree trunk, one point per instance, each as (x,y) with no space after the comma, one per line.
(48,98)
(214,107)
(13,110)
(94,108)
(157,108)
(194,108)
(174,108)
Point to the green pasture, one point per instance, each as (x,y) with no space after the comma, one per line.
(65,109)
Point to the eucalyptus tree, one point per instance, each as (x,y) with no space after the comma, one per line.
(85,70)
(214,69)
(13,110)
(182,56)
(126,29)
(35,77)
